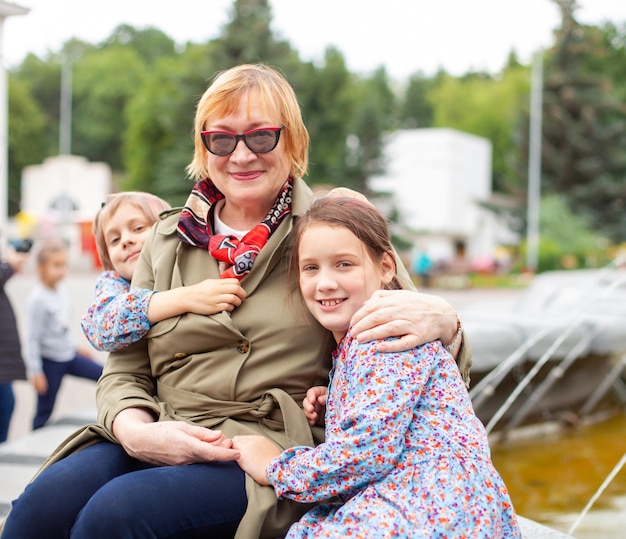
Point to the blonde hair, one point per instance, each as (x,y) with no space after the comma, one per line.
(268,89)
(150,205)
(49,247)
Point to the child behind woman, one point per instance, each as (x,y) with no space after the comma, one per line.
(405,455)
(120,315)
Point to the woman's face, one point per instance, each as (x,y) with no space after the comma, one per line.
(249,181)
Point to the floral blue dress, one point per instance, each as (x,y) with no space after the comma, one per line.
(405,455)
(118,316)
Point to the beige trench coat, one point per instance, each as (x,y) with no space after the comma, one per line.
(223,371)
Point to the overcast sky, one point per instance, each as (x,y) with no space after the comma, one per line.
(403,35)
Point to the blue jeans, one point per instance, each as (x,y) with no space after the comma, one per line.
(7,403)
(102,493)
(80,366)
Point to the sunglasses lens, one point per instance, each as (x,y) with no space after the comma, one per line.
(262,140)
(220,143)
(258,140)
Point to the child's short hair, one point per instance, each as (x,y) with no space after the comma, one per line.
(359,217)
(49,247)
(151,206)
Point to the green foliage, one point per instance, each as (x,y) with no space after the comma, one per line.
(584,130)
(373,116)
(416,110)
(135,93)
(103,83)
(150,44)
(566,238)
(325,94)
(487,107)
(27,134)
(158,142)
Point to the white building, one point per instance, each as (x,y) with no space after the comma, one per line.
(67,187)
(435,179)
(61,197)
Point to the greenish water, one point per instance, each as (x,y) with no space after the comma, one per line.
(551,479)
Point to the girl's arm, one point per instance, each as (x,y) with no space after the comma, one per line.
(210,296)
(118,315)
(370,437)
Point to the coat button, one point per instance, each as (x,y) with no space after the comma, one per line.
(243,347)
(180,355)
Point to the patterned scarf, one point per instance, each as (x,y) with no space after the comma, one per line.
(194,228)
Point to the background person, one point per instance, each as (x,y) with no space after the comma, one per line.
(159,462)
(51,351)
(11,362)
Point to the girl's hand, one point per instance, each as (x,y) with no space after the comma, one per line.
(314,405)
(256,454)
(210,296)
(414,317)
(214,296)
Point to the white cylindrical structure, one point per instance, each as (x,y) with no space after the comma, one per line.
(6,10)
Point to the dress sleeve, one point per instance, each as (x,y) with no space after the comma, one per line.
(375,412)
(118,316)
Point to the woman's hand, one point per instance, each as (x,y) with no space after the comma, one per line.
(256,454)
(314,404)
(414,317)
(169,442)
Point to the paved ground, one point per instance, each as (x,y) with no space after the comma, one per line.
(25,451)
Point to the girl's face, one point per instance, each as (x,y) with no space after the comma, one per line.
(124,234)
(249,181)
(337,275)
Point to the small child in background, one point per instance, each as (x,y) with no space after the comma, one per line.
(404,455)
(121,315)
(51,350)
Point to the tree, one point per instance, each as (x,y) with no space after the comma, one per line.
(416,110)
(158,142)
(488,107)
(374,115)
(566,235)
(150,44)
(104,81)
(27,137)
(584,129)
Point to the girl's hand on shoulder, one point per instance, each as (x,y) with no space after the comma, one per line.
(414,317)
(314,404)
(256,454)
(214,296)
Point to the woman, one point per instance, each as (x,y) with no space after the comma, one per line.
(154,466)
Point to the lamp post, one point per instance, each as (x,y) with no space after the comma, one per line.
(6,10)
(534,165)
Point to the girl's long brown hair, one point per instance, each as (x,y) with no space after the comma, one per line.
(359,217)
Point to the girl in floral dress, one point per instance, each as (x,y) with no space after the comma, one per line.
(121,315)
(405,455)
